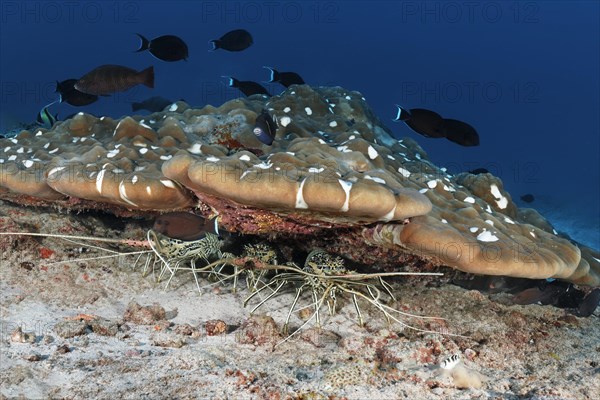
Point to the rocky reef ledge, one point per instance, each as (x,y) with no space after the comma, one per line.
(334,178)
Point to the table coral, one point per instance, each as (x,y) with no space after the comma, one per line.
(334,178)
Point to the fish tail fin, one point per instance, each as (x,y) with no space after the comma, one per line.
(274,74)
(403,114)
(144,45)
(148,77)
(212,225)
(232,81)
(215,44)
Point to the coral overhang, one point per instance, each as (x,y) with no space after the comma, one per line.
(334,171)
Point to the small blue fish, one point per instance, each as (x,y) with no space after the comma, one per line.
(265,128)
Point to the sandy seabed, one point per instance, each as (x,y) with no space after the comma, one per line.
(99,329)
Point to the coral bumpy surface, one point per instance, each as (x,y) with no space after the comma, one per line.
(334,178)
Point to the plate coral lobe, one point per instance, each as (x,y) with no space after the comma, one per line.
(347,187)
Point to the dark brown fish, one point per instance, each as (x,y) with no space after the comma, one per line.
(108,79)
(534,295)
(184,226)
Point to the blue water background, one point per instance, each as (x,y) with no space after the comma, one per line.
(525,74)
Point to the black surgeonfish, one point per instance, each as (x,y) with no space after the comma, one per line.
(247,87)
(528,198)
(72,96)
(265,128)
(152,104)
(430,124)
(167,48)
(45,119)
(285,78)
(237,40)
(461,133)
(424,122)
(108,79)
